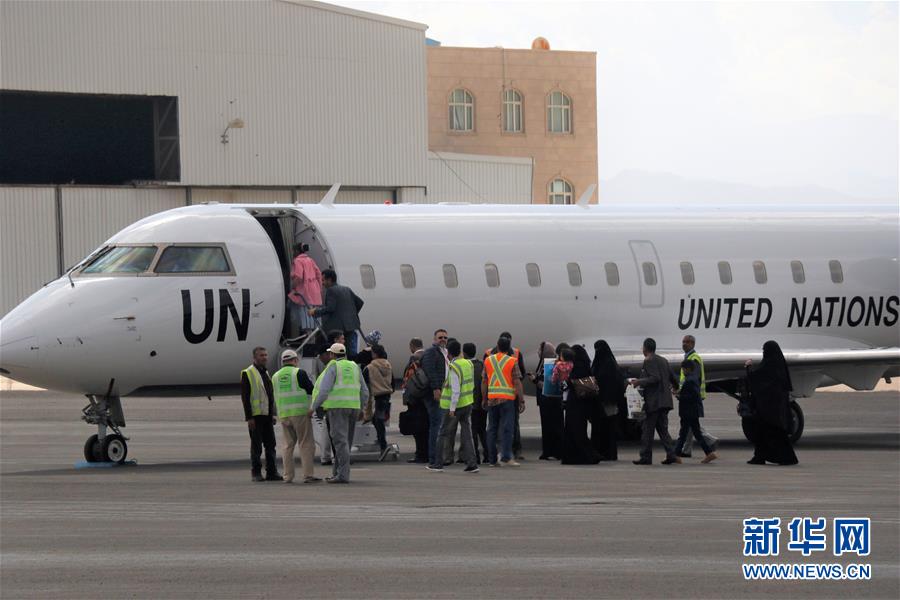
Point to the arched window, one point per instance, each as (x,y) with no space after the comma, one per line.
(559,113)
(462,110)
(559,192)
(512,111)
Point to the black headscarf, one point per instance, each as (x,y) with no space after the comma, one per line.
(605,368)
(582,363)
(774,366)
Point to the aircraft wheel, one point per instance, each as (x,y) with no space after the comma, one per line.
(797,422)
(92,449)
(115,449)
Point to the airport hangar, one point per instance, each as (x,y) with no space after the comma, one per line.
(110,112)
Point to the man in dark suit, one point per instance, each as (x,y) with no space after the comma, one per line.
(658,381)
(339,310)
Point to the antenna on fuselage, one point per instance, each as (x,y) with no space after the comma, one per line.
(328,199)
(585,198)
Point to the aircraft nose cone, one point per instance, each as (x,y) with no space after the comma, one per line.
(18,350)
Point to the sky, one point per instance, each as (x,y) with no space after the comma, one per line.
(769,94)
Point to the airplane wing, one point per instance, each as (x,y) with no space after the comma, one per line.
(861,369)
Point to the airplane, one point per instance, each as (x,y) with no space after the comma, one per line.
(174,304)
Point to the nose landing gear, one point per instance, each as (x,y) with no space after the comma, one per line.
(105,412)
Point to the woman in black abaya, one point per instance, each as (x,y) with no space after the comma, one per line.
(577,448)
(605,370)
(770,388)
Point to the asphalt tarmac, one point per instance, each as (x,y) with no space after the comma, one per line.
(186,521)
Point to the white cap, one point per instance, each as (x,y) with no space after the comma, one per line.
(288,355)
(337,349)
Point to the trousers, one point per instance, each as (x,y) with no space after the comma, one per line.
(657,421)
(298,431)
(710,440)
(435,419)
(262,436)
(462,418)
(341,424)
(501,422)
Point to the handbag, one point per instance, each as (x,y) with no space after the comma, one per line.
(407,423)
(585,387)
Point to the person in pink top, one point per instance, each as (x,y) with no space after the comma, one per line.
(306,289)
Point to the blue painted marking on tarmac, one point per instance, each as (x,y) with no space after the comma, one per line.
(83,464)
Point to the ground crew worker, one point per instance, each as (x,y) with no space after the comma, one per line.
(687,344)
(292,389)
(520,359)
(342,393)
(456,402)
(501,388)
(259,413)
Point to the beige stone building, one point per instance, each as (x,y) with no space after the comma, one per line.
(537,103)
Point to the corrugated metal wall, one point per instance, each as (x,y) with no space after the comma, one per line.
(90,216)
(28,242)
(325,95)
(240,196)
(474,178)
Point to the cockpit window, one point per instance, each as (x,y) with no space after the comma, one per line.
(122,259)
(193,259)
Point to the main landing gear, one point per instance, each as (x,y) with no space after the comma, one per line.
(106,413)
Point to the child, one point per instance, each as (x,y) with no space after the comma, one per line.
(381,385)
(563,367)
(689,411)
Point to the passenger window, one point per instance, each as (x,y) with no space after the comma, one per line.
(408,276)
(612,273)
(759,271)
(574,274)
(534,274)
(687,273)
(450,279)
(193,259)
(367,275)
(649,273)
(725,272)
(797,271)
(492,275)
(123,259)
(837,272)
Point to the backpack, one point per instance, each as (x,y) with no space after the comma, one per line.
(416,388)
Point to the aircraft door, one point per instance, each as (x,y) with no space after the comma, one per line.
(649,273)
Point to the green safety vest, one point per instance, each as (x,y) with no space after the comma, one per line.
(259,401)
(347,383)
(290,399)
(695,357)
(466,373)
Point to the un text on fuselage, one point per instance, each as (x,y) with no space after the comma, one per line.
(227,310)
(803,312)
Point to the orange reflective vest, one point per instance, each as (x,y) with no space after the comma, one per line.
(498,369)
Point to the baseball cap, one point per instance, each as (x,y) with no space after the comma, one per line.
(337,349)
(288,355)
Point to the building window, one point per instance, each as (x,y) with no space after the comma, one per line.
(687,273)
(574,274)
(797,271)
(725,272)
(837,272)
(559,192)
(512,111)
(408,276)
(534,274)
(612,273)
(462,110)
(649,273)
(450,279)
(559,113)
(492,275)
(367,275)
(759,271)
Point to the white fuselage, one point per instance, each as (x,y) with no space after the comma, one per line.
(131,328)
